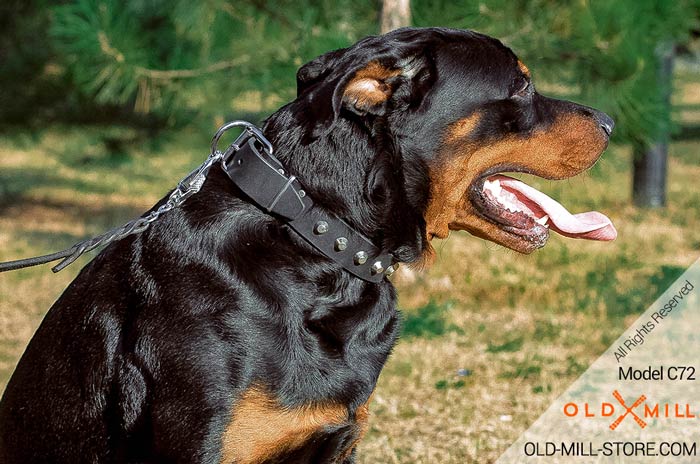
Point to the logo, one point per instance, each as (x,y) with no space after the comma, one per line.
(640,410)
(628,410)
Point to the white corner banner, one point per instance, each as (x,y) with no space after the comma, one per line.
(639,402)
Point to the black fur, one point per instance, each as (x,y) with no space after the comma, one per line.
(143,356)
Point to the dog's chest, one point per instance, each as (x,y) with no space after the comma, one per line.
(261,429)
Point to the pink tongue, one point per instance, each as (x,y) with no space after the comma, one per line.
(591,225)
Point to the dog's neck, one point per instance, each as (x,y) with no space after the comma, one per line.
(359,177)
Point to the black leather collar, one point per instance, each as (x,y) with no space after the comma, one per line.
(264,180)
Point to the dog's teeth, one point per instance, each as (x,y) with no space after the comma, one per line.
(543,220)
(509,205)
(496,187)
(493,186)
(503,197)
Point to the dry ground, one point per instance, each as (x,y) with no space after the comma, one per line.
(491,338)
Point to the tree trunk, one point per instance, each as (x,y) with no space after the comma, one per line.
(649,178)
(395,14)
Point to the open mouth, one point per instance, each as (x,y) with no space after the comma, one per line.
(529,214)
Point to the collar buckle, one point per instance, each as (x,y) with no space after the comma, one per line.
(263,179)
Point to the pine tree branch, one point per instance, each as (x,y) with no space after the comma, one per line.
(169,74)
(274,14)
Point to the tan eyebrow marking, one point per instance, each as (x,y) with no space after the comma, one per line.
(524,69)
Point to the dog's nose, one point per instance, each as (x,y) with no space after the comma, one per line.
(605,121)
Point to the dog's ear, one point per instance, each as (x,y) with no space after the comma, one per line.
(364,86)
(316,70)
(369,89)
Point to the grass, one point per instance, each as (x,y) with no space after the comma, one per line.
(428,321)
(490,337)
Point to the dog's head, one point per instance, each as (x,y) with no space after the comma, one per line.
(439,114)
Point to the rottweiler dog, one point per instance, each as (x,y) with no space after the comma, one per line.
(219,335)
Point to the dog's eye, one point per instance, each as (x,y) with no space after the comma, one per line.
(522,88)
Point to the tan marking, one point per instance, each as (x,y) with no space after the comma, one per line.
(362,422)
(368,88)
(523,68)
(261,428)
(566,148)
(457,135)
(462,129)
(377,71)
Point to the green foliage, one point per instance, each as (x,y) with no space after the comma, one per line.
(604,289)
(179,57)
(24,54)
(428,321)
(546,330)
(183,61)
(574,367)
(446,384)
(542,389)
(523,370)
(509,346)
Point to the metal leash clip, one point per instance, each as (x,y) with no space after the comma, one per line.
(249,131)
